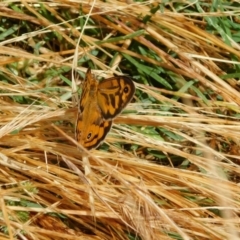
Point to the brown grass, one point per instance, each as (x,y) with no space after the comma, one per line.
(169,169)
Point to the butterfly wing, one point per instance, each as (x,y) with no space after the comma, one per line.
(88,84)
(92,132)
(114,94)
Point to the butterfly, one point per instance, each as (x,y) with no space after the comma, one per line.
(100,103)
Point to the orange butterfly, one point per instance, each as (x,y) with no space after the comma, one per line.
(101,102)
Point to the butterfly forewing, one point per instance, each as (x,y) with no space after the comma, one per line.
(89,89)
(114,94)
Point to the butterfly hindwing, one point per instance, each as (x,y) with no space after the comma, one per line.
(91,135)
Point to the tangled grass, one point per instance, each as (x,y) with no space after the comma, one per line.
(169,169)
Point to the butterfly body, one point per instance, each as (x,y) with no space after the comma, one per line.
(100,102)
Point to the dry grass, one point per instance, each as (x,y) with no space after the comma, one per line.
(169,169)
